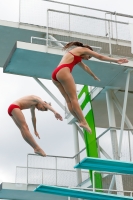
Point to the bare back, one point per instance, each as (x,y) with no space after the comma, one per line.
(68,58)
(26,102)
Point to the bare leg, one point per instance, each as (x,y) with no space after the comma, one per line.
(65,78)
(60,87)
(19,120)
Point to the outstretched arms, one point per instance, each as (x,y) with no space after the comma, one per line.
(57,115)
(49,107)
(88,70)
(104,58)
(86,51)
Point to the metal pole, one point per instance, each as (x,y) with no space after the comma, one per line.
(77,158)
(19,10)
(104,153)
(116,27)
(124,113)
(80,131)
(119,107)
(43,86)
(111,26)
(69,19)
(47,30)
(93,180)
(16,175)
(129,142)
(98,147)
(105,26)
(27,171)
(56,168)
(110,50)
(42,176)
(111,184)
(55,40)
(112,123)
(119,14)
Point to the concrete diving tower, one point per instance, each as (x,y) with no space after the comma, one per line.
(39,61)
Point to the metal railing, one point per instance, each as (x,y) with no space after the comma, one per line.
(53,43)
(111,26)
(53,170)
(59,167)
(89,25)
(58,177)
(110,190)
(69,7)
(106,190)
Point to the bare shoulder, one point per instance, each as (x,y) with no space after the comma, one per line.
(34,98)
(77,51)
(91,53)
(29,98)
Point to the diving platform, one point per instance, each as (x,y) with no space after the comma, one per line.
(44,192)
(76,193)
(34,50)
(98,164)
(34,60)
(24,192)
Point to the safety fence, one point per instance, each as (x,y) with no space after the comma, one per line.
(51,170)
(57,170)
(108,31)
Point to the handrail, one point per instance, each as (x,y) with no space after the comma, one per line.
(79,15)
(113,13)
(110,128)
(38,38)
(79,188)
(112,173)
(113,128)
(41,168)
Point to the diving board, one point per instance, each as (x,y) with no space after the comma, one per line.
(35,60)
(99,164)
(38,61)
(24,192)
(78,193)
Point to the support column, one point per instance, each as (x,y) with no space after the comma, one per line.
(119,107)
(124,112)
(113,134)
(50,93)
(77,158)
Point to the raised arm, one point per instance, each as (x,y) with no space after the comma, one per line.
(33,117)
(88,70)
(102,57)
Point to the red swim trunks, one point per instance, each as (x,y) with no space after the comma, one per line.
(11,107)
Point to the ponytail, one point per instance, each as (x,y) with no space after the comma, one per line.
(78,44)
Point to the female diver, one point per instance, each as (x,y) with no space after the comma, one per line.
(64,81)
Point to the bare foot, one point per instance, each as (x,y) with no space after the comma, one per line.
(40,152)
(86,127)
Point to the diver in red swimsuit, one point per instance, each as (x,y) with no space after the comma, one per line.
(76,60)
(30,102)
(64,81)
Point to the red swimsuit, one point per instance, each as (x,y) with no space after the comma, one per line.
(11,107)
(76,60)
